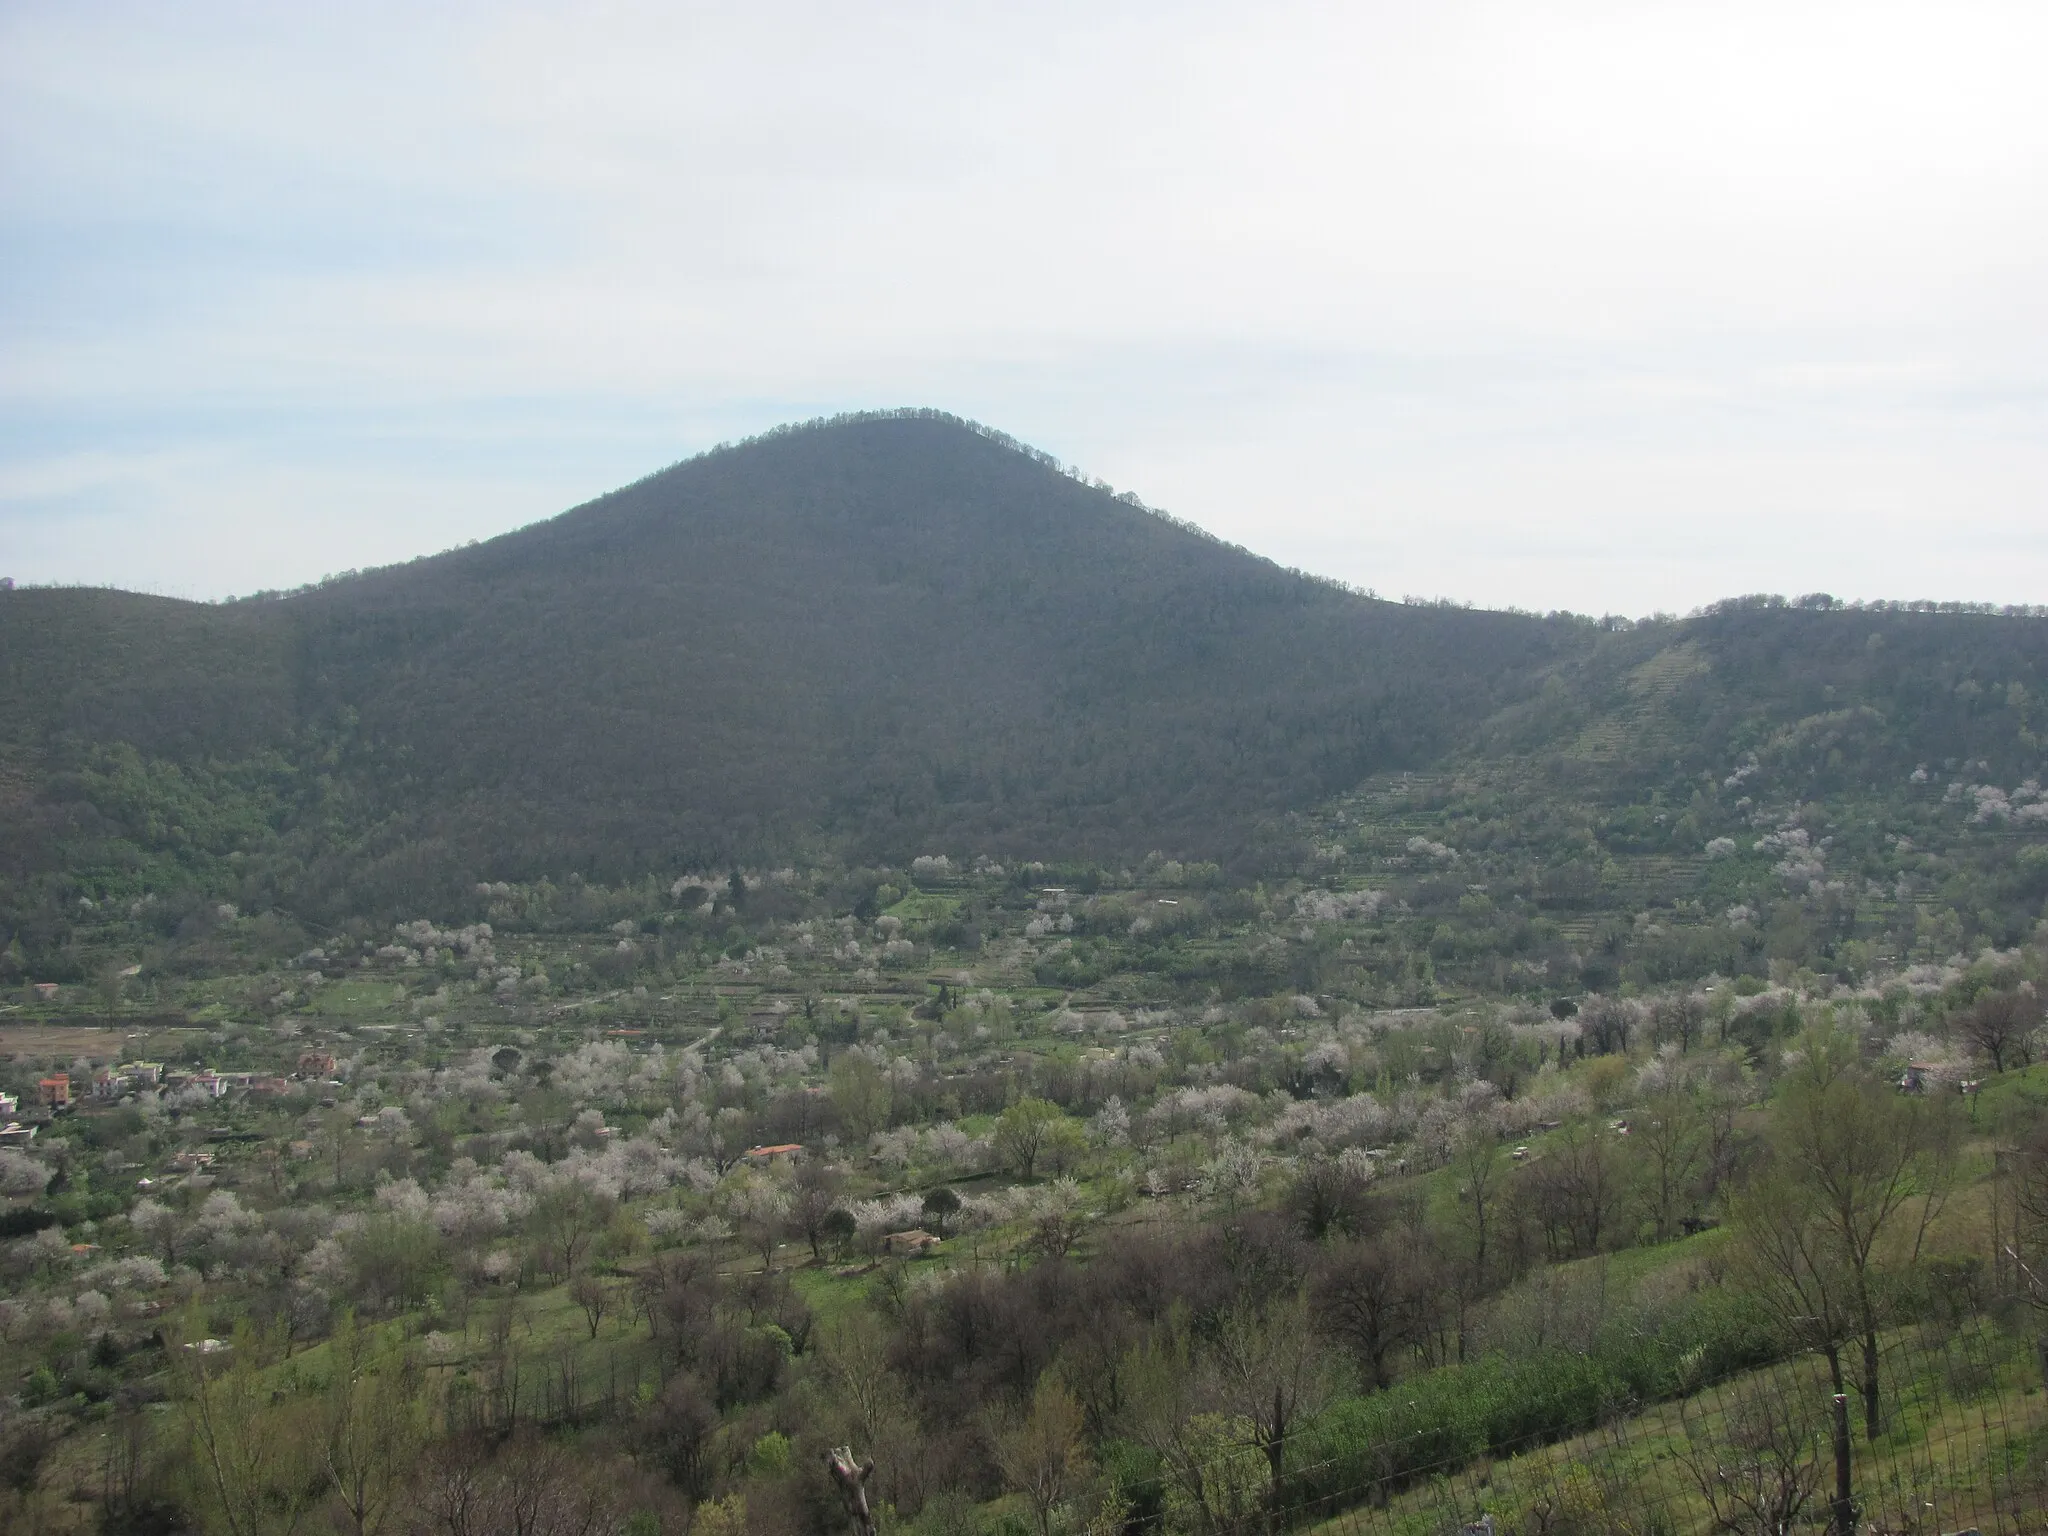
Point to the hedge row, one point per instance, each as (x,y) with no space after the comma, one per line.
(1500,1407)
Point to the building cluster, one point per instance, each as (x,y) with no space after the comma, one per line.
(61,1091)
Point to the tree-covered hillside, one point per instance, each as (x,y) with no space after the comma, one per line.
(884,636)
(870,635)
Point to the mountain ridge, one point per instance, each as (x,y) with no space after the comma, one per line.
(869,634)
(868,637)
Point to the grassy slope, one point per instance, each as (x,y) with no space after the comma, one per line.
(1963,1446)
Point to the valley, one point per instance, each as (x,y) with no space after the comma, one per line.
(865,940)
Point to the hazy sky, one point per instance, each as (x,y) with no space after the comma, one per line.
(1615,306)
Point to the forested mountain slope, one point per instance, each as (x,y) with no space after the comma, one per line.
(872,638)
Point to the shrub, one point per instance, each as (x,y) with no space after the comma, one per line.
(1501,1407)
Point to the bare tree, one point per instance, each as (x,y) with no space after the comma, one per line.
(1790,1266)
(871,1406)
(530,1485)
(1331,1194)
(1578,1190)
(813,1196)
(1477,1164)
(1852,1162)
(1374,1299)
(1670,1137)
(855,1359)
(2027,1244)
(567,1216)
(679,1430)
(1270,1368)
(1681,1020)
(2001,1025)
(1606,1024)
(595,1296)
(1763,1470)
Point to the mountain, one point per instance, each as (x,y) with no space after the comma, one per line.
(877,636)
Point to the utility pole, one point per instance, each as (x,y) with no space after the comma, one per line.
(1843,1522)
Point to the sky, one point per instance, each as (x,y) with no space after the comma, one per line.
(1615,307)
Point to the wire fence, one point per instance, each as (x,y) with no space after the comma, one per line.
(1960,1441)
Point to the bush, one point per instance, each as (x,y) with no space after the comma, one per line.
(1133,1471)
(770,1455)
(1501,1407)
(1222,1484)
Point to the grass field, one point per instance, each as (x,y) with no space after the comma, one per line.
(39,1041)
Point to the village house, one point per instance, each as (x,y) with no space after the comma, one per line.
(55,1090)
